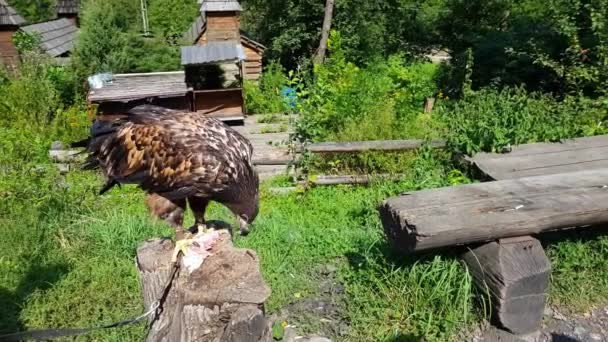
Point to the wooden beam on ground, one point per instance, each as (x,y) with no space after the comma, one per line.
(273,161)
(372,145)
(545,158)
(351,179)
(459,215)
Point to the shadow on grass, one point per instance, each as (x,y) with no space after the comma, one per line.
(405,338)
(11,303)
(582,234)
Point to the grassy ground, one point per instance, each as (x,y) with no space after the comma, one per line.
(67,259)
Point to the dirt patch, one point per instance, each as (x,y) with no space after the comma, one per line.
(557,327)
(320,315)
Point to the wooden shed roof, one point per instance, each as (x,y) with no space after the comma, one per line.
(68,6)
(220,6)
(126,87)
(199,26)
(57,36)
(9,16)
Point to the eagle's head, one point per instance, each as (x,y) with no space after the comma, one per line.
(246,211)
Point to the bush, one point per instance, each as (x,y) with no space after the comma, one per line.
(266,96)
(491,120)
(381,101)
(30,96)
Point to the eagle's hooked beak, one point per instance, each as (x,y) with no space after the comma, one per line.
(243,225)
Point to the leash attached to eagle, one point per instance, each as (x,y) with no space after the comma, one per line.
(178,159)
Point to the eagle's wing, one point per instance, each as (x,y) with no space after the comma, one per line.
(175,156)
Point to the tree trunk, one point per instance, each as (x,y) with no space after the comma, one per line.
(221,301)
(329,10)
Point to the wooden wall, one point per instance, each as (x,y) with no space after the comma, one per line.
(222,26)
(8,53)
(118,107)
(230,100)
(252,66)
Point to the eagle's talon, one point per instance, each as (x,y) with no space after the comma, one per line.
(181,246)
(199,228)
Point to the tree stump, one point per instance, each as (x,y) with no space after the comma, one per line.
(516,273)
(222,300)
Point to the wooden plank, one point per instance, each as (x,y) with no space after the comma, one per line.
(480,212)
(545,158)
(373,145)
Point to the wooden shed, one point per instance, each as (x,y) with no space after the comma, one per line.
(212,80)
(69,9)
(219,21)
(10,21)
(57,37)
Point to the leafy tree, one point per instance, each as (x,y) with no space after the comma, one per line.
(110,41)
(171,18)
(292,28)
(35,11)
(557,46)
(103,43)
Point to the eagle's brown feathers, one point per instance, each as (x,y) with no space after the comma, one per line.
(177,156)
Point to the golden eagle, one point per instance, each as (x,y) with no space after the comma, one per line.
(177,158)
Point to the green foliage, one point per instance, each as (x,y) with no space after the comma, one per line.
(490,120)
(291,29)
(581,266)
(171,18)
(264,97)
(557,47)
(35,11)
(26,42)
(104,37)
(346,102)
(30,96)
(109,41)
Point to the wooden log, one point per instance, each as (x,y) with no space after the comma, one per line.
(372,145)
(351,179)
(515,272)
(223,300)
(272,161)
(480,212)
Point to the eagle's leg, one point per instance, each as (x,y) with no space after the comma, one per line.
(198,205)
(176,218)
(171,211)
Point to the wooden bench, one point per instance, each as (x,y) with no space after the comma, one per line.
(497,219)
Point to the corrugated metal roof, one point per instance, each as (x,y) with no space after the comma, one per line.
(138,86)
(220,6)
(57,36)
(8,15)
(212,52)
(68,6)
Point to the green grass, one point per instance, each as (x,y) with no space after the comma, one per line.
(68,259)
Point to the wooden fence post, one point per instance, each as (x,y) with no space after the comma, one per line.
(516,273)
